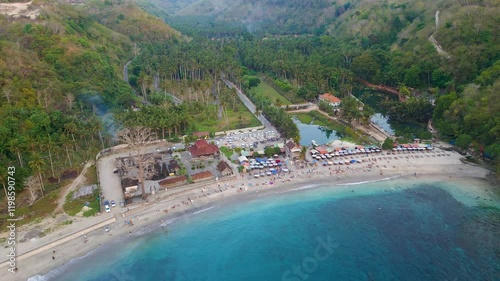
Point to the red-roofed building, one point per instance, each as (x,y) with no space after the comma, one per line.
(205,175)
(321,150)
(224,168)
(292,150)
(331,99)
(173,181)
(203,148)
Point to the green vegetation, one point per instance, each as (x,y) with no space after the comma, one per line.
(267,91)
(170,120)
(67,222)
(280,17)
(238,118)
(28,214)
(315,117)
(472,118)
(276,115)
(60,80)
(388,144)
(74,206)
(62,95)
(227,151)
(304,118)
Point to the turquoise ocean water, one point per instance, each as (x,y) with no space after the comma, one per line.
(381,231)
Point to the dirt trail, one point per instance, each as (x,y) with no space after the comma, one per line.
(438,47)
(66,190)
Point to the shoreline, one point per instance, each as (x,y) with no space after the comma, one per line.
(239,190)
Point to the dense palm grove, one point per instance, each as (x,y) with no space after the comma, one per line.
(63,97)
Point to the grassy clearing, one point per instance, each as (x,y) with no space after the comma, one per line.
(265,89)
(288,95)
(90,176)
(238,118)
(45,206)
(74,206)
(227,151)
(304,118)
(40,209)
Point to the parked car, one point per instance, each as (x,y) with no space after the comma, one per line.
(106,207)
(113,203)
(106,203)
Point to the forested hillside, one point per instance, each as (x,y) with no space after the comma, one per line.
(60,76)
(61,73)
(447,51)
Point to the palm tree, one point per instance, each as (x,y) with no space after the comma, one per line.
(296,139)
(65,140)
(36,164)
(278,102)
(15,146)
(49,144)
(258,110)
(303,152)
(71,128)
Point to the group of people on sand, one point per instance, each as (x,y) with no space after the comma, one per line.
(304,171)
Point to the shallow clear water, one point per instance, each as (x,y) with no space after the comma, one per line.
(380,231)
(320,134)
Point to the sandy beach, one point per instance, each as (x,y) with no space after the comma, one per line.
(408,166)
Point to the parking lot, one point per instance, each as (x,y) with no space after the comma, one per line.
(256,139)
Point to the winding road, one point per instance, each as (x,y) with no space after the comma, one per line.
(125,72)
(156,82)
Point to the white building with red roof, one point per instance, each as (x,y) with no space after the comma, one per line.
(331,99)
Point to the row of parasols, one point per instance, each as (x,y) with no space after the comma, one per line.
(346,162)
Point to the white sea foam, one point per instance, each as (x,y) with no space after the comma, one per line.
(202,210)
(371,181)
(165,223)
(38,278)
(309,186)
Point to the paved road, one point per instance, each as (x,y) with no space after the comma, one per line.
(125,71)
(125,78)
(249,104)
(176,100)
